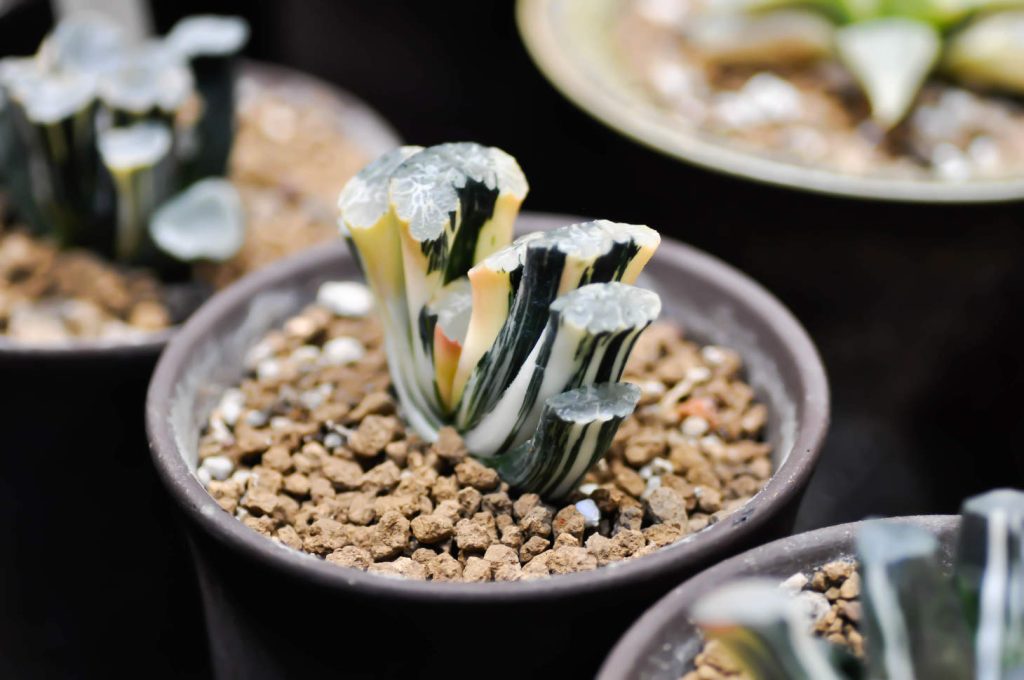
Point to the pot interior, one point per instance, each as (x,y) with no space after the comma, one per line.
(714,303)
(662,645)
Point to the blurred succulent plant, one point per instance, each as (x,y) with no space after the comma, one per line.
(919,622)
(518,345)
(890,46)
(97,133)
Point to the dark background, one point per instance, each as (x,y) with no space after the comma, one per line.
(914,308)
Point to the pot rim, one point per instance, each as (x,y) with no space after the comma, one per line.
(627,653)
(366,127)
(203,510)
(576,75)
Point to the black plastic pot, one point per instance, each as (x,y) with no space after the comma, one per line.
(94,575)
(273,612)
(663,643)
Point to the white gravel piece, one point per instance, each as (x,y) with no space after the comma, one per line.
(345,298)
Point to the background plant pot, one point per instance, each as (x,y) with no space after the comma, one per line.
(274,612)
(663,642)
(94,576)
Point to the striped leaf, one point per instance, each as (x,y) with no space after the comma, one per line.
(587,339)
(554,263)
(990,574)
(138,159)
(765,630)
(210,44)
(912,617)
(575,429)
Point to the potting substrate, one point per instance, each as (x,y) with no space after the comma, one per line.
(76,361)
(310,450)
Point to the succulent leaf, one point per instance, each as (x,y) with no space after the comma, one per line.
(211,44)
(148,82)
(989,52)
(372,231)
(891,58)
(589,334)
(911,614)
(765,630)
(574,430)
(553,263)
(990,574)
(138,159)
(462,306)
(204,222)
(54,116)
(85,42)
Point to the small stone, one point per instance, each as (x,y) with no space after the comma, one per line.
(570,521)
(512,536)
(449,445)
(342,351)
(470,535)
(403,566)
(345,298)
(219,467)
(537,522)
(297,484)
(629,480)
(432,529)
(497,503)
(472,473)
(469,501)
(851,587)
(569,559)
(373,434)
(508,572)
(390,536)
(533,547)
(524,504)
(694,426)
(501,554)
(629,517)
(667,506)
(838,570)
(444,567)
(344,474)
(477,569)
(662,534)
(351,556)
(590,512)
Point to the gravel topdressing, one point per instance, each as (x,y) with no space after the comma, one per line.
(310,451)
(832,599)
(292,155)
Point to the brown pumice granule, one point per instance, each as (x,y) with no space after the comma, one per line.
(311,451)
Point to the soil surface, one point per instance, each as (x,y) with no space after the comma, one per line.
(291,157)
(832,597)
(814,113)
(310,451)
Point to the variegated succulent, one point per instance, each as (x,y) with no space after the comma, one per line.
(920,621)
(890,46)
(519,345)
(118,146)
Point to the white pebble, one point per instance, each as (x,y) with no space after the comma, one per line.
(712,444)
(794,583)
(950,163)
(256,418)
(713,355)
(231,405)
(204,476)
(591,513)
(344,350)
(333,440)
(219,467)
(280,423)
(268,369)
(587,489)
(312,399)
(220,432)
(698,374)
(646,472)
(661,466)
(653,484)
(241,477)
(652,388)
(345,298)
(694,426)
(307,354)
